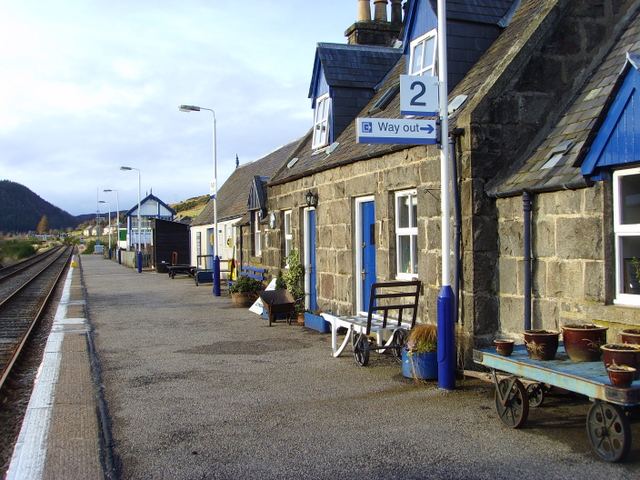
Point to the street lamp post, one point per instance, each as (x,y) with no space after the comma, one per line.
(109,190)
(214,195)
(109,223)
(139,252)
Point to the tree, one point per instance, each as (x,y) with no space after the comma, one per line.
(43,225)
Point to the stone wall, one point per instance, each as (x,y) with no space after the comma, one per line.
(337,190)
(572,262)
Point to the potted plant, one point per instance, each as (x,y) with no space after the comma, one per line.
(245,291)
(504,346)
(621,375)
(621,354)
(315,321)
(630,335)
(541,344)
(582,342)
(419,357)
(293,277)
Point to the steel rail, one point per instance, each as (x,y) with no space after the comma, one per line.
(43,305)
(10,270)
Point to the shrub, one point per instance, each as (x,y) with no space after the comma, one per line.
(293,278)
(246,285)
(422,338)
(17,249)
(90,247)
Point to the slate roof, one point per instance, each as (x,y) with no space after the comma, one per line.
(357,66)
(578,125)
(478,11)
(233,195)
(497,57)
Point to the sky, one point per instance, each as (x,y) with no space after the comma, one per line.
(89,85)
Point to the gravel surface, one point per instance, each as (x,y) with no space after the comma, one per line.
(198,389)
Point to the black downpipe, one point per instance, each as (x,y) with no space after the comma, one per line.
(457,225)
(526,210)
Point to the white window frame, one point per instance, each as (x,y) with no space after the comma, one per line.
(620,231)
(321,122)
(429,69)
(410,231)
(257,243)
(287,232)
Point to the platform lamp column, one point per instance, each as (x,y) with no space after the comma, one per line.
(214,196)
(138,251)
(108,224)
(446,302)
(109,190)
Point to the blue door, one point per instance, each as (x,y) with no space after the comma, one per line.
(311,246)
(368,254)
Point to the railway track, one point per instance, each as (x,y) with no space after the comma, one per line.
(24,295)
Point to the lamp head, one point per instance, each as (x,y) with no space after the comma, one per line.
(126,168)
(107,190)
(189,108)
(101,201)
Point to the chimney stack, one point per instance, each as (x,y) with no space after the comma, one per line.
(380,10)
(364,10)
(379,31)
(396,11)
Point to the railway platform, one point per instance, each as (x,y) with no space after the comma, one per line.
(196,388)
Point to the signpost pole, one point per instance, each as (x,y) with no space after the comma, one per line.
(445,317)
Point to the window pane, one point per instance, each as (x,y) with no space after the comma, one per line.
(287,223)
(414,247)
(631,264)
(404,254)
(429,52)
(630,199)
(403,211)
(418,52)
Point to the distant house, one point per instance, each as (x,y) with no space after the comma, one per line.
(150,207)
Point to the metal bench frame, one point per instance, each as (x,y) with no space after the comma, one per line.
(360,328)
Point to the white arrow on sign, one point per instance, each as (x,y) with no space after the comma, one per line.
(419,95)
(396,130)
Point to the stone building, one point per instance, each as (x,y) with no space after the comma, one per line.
(538,86)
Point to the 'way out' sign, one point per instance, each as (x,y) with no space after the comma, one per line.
(394,130)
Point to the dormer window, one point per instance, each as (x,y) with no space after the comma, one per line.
(321,122)
(423,55)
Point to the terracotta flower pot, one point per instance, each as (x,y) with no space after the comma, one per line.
(541,344)
(630,335)
(582,342)
(243,299)
(504,346)
(621,354)
(621,375)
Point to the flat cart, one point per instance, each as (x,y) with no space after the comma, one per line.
(173,270)
(203,274)
(608,420)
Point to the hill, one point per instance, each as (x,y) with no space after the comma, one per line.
(190,208)
(21,210)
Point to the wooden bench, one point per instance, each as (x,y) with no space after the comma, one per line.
(390,332)
(257,273)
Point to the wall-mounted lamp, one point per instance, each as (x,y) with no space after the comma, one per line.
(311,198)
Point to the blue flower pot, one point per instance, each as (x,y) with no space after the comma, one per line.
(316,322)
(425,365)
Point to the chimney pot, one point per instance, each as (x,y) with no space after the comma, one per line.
(396,11)
(380,13)
(364,10)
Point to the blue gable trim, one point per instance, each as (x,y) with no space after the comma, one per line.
(617,142)
(420,19)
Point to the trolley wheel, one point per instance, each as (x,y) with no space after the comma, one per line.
(512,403)
(535,392)
(399,339)
(361,350)
(609,431)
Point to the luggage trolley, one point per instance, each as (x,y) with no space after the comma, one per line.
(608,421)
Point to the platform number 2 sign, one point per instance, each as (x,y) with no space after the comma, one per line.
(419,95)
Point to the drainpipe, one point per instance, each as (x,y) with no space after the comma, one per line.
(457,223)
(526,210)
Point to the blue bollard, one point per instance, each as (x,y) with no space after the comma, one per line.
(446,340)
(119,257)
(216,276)
(139,261)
